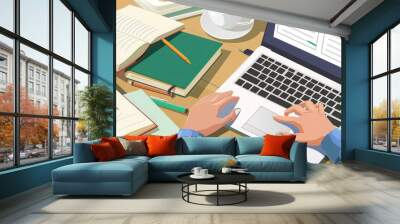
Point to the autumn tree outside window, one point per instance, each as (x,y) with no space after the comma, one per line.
(44,65)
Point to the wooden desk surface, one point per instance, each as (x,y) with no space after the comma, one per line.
(230,59)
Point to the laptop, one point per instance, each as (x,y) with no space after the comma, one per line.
(291,65)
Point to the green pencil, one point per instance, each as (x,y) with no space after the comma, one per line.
(170,106)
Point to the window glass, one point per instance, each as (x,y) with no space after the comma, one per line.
(6,142)
(379,135)
(62,138)
(81,45)
(34,21)
(62,91)
(62,29)
(6,74)
(379,97)
(395,94)
(39,62)
(7,14)
(395,136)
(81,82)
(395,47)
(379,56)
(81,131)
(33,140)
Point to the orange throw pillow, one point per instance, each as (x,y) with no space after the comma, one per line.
(116,145)
(135,137)
(161,145)
(103,152)
(277,145)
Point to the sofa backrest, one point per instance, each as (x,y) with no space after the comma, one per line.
(249,145)
(83,152)
(206,145)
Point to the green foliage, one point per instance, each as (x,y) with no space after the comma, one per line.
(97,103)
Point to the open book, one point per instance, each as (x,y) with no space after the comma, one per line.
(136,30)
(130,120)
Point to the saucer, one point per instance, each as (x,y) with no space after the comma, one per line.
(220,33)
(208,176)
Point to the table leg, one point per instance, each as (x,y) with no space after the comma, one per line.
(245,193)
(195,188)
(217,194)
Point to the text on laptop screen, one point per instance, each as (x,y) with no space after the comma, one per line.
(324,46)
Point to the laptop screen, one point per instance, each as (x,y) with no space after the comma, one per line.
(317,51)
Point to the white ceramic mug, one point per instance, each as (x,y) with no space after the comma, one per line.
(226,170)
(196,171)
(203,172)
(228,21)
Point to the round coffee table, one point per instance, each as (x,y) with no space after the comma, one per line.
(238,179)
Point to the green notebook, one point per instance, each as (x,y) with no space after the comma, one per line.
(160,67)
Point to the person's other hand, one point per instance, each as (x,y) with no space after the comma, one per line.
(203,115)
(311,122)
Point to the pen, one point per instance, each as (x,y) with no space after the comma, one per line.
(175,50)
(168,105)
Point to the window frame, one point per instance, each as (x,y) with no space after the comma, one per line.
(16,114)
(388,74)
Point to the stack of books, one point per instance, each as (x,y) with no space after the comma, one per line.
(151,64)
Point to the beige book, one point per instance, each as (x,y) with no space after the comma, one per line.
(130,119)
(136,30)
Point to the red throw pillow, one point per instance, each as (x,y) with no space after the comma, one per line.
(161,145)
(116,145)
(277,145)
(103,152)
(135,137)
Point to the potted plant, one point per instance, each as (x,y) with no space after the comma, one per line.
(96,103)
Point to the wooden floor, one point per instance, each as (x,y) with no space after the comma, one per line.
(352,181)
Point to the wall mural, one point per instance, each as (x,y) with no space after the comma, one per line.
(195,72)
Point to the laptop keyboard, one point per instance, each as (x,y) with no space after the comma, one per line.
(285,86)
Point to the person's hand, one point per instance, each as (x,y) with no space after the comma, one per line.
(311,122)
(203,115)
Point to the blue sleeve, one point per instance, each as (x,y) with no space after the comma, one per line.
(331,146)
(188,133)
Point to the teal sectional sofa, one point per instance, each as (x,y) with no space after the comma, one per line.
(125,176)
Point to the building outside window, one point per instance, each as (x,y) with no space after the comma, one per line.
(57,127)
(385,94)
(30,87)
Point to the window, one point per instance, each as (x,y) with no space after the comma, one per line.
(385,94)
(3,78)
(30,87)
(30,72)
(39,129)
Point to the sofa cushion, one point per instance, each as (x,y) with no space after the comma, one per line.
(277,145)
(116,145)
(206,145)
(185,163)
(257,163)
(103,152)
(161,145)
(249,145)
(113,171)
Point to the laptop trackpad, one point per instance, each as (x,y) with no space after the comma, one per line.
(262,122)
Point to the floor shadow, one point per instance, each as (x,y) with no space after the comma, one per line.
(256,198)
(211,72)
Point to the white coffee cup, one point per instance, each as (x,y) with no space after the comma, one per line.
(203,172)
(226,170)
(228,21)
(196,170)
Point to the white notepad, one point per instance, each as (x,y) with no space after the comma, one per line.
(130,120)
